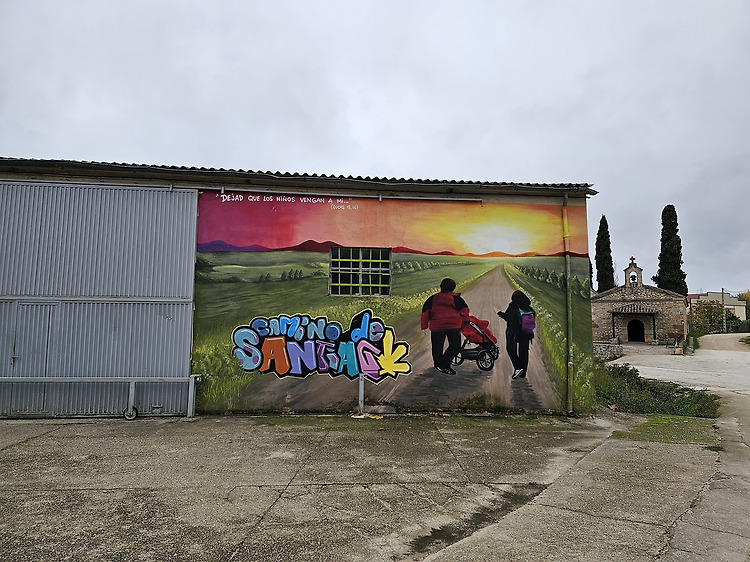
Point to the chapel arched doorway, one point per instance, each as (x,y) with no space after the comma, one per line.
(636,331)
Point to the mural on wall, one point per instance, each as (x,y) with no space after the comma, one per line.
(278,325)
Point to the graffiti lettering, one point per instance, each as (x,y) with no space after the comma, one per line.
(299,345)
(246,351)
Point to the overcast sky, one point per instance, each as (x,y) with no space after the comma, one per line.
(647,100)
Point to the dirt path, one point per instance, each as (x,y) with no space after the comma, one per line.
(725,342)
(721,363)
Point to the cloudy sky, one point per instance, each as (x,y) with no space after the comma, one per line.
(646,100)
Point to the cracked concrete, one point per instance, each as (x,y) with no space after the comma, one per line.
(301,488)
(633,500)
(717,525)
(618,502)
(377,489)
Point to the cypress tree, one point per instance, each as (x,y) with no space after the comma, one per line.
(605,270)
(669,275)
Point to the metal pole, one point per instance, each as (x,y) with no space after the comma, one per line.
(569,305)
(361,394)
(191,396)
(723,312)
(131,397)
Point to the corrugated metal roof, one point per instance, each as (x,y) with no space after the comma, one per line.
(222,176)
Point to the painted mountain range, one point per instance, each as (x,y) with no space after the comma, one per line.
(325,247)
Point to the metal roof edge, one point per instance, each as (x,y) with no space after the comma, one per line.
(247,179)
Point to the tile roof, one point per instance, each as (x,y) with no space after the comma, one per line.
(634,308)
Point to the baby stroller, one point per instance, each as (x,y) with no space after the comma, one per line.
(485,352)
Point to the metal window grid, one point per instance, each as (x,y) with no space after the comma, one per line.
(360,271)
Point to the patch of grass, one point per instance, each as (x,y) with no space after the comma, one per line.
(222,377)
(674,429)
(621,386)
(746,340)
(696,340)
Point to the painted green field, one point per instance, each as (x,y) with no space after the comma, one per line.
(234,287)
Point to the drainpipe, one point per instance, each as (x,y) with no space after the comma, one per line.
(569,307)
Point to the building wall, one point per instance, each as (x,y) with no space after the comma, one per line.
(670,315)
(100,269)
(95,281)
(731,303)
(263,274)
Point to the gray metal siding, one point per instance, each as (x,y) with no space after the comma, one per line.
(90,399)
(121,340)
(77,240)
(7,337)
(95,281)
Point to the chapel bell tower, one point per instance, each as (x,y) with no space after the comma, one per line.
(633,274)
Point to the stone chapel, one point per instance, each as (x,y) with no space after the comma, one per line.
(636,312)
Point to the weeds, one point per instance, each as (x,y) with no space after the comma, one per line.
(621,386)
(222,377)
(696,339)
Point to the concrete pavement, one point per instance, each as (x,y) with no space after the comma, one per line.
(637,500)
(291,488)
(717,527)
(377,489)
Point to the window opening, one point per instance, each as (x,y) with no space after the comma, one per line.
(360,272)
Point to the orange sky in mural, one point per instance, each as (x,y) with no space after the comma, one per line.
(422,225)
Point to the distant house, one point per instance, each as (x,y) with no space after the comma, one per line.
(730,303)
(636,312)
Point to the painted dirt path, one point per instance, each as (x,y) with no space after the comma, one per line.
(425,386)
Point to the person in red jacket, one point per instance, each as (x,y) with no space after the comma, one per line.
(444,313)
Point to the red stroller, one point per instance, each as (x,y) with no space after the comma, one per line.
(485,352)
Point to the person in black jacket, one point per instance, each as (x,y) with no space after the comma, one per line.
(516,340)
